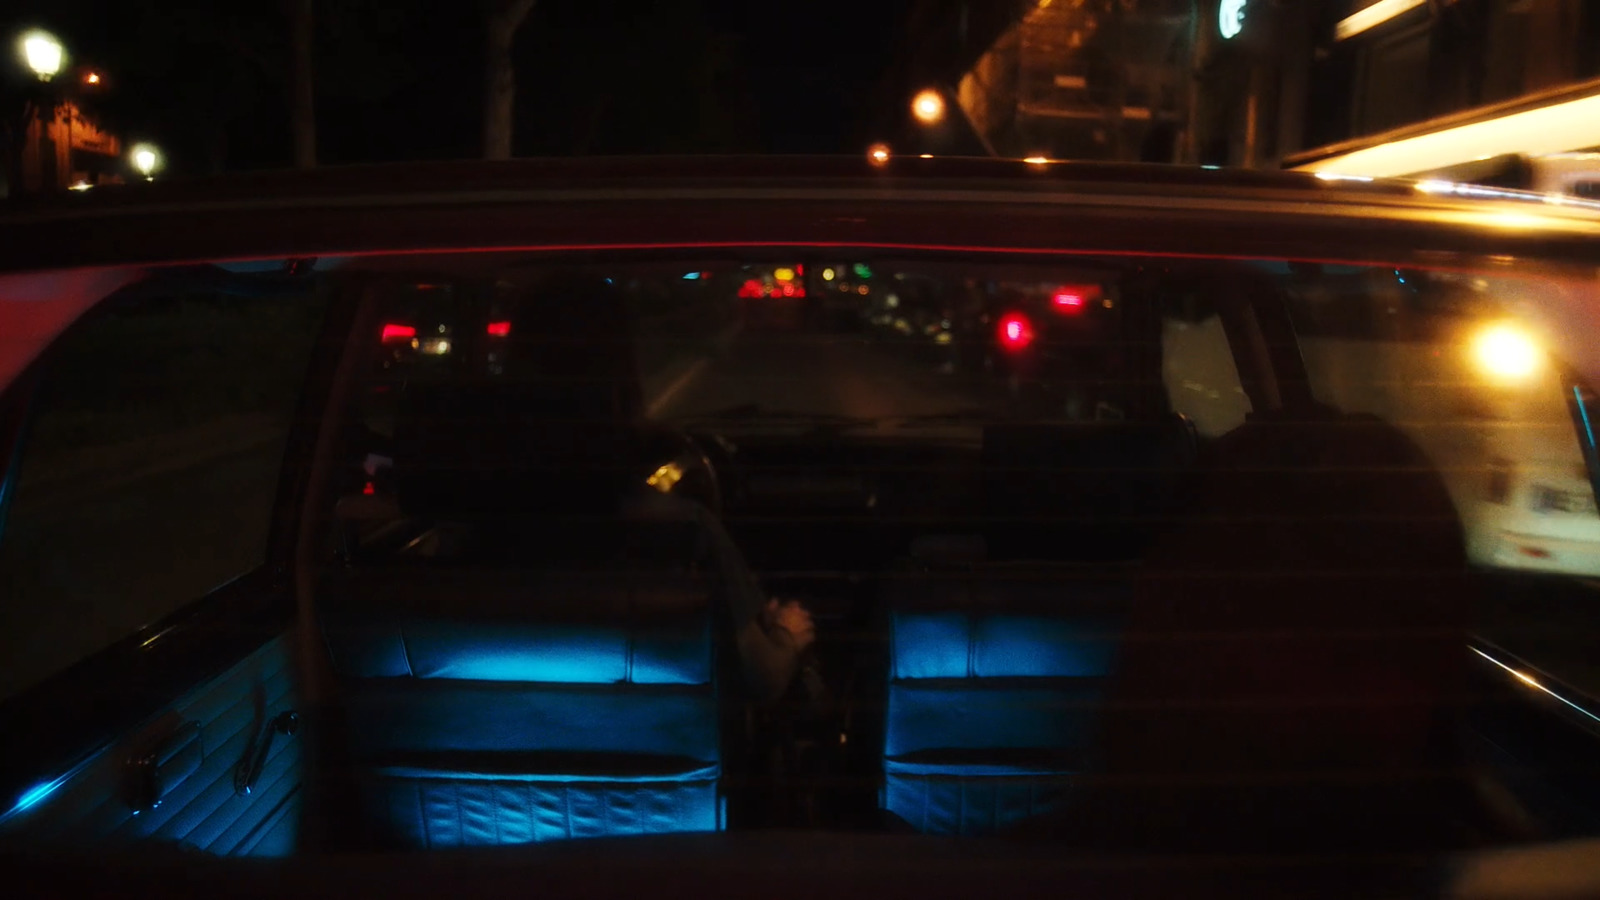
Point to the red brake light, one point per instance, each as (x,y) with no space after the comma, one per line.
(751,288)
(1073,299)
(499,329)
(1016,332)
(395,332)
(1067,301)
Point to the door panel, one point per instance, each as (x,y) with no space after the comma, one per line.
(202,809)
(152,459)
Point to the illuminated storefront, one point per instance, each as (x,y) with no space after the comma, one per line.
(1405,87)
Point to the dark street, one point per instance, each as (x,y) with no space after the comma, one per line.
(829,375)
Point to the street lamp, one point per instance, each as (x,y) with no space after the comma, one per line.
(146,159)
(43,54)
(1230,18)
(928,107)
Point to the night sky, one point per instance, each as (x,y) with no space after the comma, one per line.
(402,79)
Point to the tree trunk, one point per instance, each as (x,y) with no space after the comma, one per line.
(302,100)
(500,75)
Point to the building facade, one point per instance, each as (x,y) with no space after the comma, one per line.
(1265,83)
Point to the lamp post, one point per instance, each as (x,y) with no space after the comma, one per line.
(146,160)
(928,107)
(43,54)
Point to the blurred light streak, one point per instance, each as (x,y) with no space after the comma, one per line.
(1557,128)
(1532,682)
(1373,16)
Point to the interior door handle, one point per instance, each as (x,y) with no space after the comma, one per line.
(286,723)
(154,770)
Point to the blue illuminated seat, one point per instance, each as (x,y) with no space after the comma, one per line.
(996,676)
(503,707)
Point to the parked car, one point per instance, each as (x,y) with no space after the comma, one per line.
(444,539)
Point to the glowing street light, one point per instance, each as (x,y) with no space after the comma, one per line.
(146,159)
(1230,18)
(92,78)
(878,154)
(43,54)
(928,107)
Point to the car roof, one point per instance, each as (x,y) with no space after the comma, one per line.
(725,203)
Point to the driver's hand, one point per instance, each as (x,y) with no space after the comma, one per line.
(795,619)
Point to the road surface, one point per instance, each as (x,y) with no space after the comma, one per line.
(823,374)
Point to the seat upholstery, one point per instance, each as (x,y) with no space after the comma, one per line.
(996,674)
(506,706)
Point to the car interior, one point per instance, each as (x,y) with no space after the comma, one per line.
(1115,577)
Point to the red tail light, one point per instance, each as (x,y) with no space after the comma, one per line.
(1067,302)
(499,329)
(1015,331)
(1073,299)
(395,332)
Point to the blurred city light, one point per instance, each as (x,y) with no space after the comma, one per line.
(1373,16)
(878,154)
(1016,332)
(92,78)
(43,54)
(146,159)
(393,331)
(928,107)
(1506,352)
(1558,128)
(1072,300)
(1230,18)
(1036,160)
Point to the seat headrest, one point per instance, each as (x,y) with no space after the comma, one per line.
(555,429)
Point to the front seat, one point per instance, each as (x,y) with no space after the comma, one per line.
(548,671)
(1302,646)
(997,672)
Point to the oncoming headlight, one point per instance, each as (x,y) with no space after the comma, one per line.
(1506,353)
